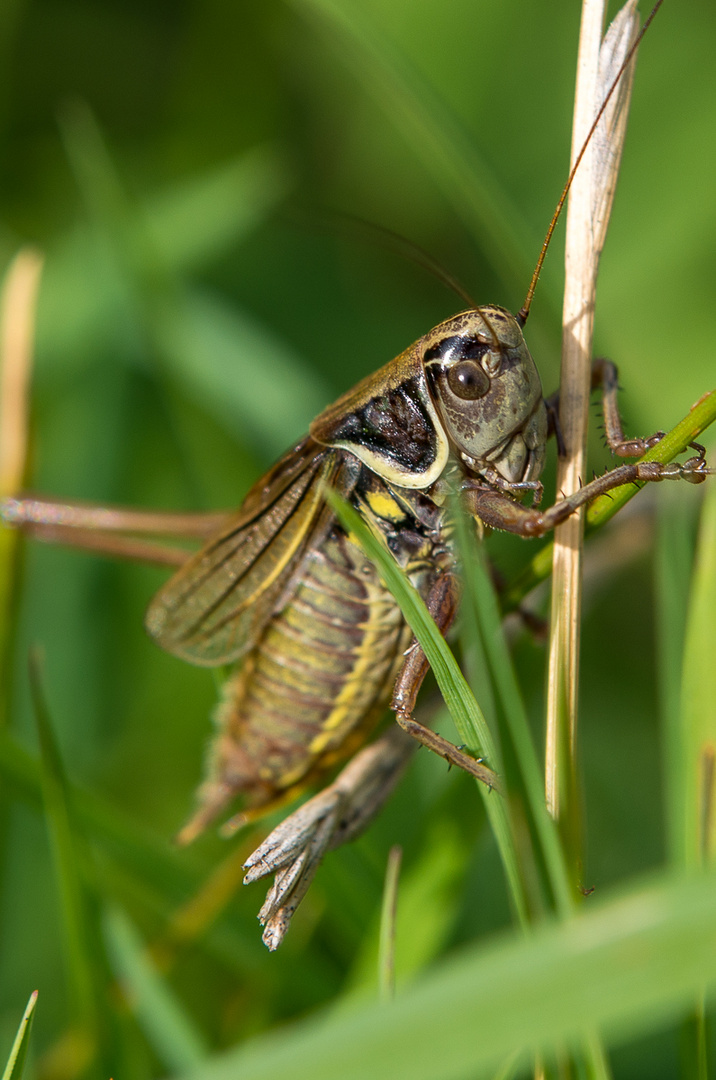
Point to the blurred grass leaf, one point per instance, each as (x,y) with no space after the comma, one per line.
(428,904)
(433,132)
(386,930)
(673,566)
(83,973)
(136,863)
(626,966)
(698,698)
(243,375)
(175,1038)
(198,220)
(235,367)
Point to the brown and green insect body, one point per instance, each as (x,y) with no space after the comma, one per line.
(285,590)
(309,693)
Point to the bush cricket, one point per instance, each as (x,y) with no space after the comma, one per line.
(282,588)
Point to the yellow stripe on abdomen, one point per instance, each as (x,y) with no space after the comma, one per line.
(318,679)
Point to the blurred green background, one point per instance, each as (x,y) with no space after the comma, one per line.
(185,168)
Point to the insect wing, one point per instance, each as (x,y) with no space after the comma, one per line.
(215,608)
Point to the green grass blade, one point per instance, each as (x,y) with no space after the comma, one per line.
(459,699)
(429,901)
(675,442)
(386,946)
(16,1061)
(174,1036)
(687,641)
(486,614)
(80,956)
(153,858)
(9,548)
(18,299)
(674,556)
(626,967)
(137,863)
(508,1069)
(461,703)
(427,911)
(698,697)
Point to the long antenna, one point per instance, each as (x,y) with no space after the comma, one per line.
(525,309)
(339,220)
(410,250)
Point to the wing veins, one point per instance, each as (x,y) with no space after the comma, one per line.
(208,612)
(197,582)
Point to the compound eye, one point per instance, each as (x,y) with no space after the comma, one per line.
(467,380)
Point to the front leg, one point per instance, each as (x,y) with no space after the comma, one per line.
(442,602)
(605,377)
(499,511)
(492,503)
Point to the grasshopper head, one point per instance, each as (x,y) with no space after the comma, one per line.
(487,392)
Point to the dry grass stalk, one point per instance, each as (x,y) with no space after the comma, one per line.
(17,331)
(17,326)
(590,203)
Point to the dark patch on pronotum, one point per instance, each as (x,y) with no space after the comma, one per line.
(396,425)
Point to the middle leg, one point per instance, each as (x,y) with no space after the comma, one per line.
(442,604)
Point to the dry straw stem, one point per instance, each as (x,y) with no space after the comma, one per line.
(590,204)
(17,331)
(17,327)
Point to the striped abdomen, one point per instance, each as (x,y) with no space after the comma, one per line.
(315,683)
